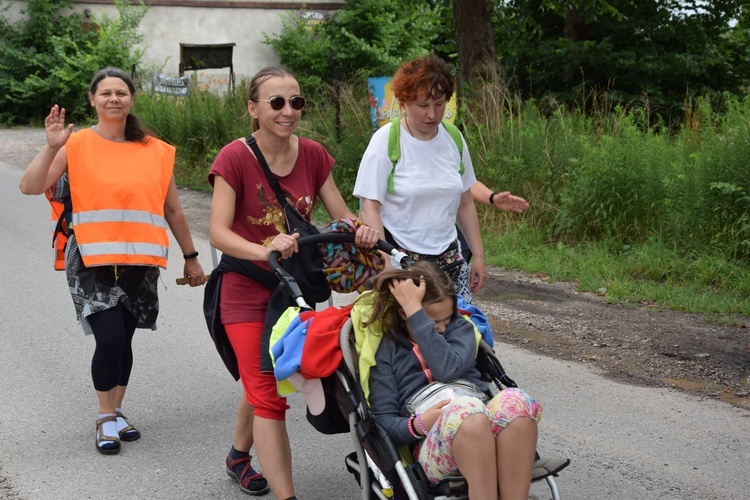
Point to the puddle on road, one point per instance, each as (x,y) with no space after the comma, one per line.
(692,385)
(502,296)
(703,385)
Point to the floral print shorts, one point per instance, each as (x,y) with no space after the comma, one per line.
(436,452)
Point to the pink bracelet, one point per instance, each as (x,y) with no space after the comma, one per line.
(421,424)
(410,426)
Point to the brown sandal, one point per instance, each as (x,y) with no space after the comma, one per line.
(128,433)
(111,448)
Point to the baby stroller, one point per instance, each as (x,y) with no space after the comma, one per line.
(376,462)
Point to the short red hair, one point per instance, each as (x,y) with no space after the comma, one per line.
(428,75)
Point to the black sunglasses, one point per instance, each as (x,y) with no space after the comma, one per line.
(297,102)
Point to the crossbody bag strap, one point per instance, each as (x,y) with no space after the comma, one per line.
(425,368)
(253,145)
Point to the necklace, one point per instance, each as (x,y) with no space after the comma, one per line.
(406,121)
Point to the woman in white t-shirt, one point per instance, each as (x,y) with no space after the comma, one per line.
(418,202)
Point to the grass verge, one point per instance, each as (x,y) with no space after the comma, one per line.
(650,273)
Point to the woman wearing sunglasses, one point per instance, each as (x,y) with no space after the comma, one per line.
(247,222)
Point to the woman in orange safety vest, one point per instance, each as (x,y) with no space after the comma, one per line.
(123,198)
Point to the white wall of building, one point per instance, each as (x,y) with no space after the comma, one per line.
(164,28)
(243,23)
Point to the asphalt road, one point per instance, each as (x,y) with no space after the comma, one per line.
(625,442)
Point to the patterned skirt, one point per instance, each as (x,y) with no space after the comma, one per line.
(99,288)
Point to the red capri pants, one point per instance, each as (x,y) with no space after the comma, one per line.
(260,388)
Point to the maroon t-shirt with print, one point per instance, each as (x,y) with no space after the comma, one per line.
(258,216)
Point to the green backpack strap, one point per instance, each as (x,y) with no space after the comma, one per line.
(394,147)
(454,132)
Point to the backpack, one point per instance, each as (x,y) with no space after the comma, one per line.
(394,146)
(61,210)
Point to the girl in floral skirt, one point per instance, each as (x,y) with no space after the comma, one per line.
(426,339)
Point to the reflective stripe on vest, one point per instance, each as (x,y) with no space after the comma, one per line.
(140,216)
(135,249)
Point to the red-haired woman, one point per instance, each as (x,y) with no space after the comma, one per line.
(417,202)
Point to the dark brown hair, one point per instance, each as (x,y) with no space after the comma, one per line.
(428,75)
(134,131)
(385,309)
(257,80)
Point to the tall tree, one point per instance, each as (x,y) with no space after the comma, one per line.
(476,50)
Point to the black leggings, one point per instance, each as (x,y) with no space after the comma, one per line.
(113,357)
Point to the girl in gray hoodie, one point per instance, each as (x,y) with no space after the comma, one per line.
(426,339)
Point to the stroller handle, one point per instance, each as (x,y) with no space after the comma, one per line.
(289,284)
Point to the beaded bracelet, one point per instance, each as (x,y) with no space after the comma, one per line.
(410,426)
(421,424)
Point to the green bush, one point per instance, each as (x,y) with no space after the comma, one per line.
(48,58)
